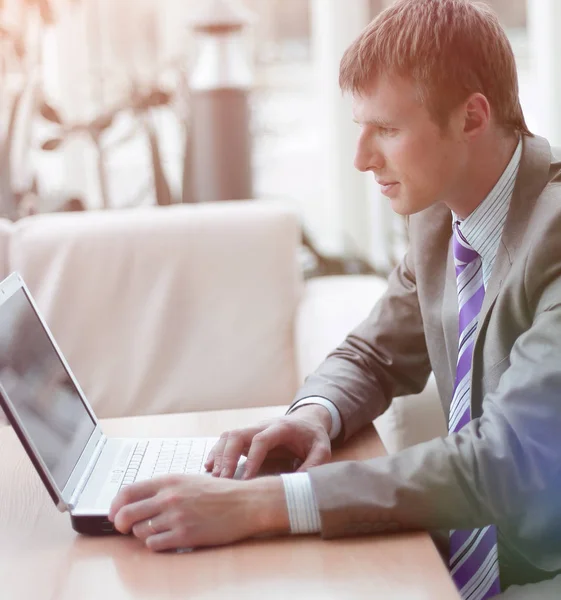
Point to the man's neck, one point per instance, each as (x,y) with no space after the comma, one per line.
(487,164)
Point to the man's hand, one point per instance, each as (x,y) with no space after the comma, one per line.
(178,511)
(303,434)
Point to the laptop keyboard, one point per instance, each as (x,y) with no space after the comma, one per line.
(153,458)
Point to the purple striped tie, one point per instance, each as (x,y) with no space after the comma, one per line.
(474,561)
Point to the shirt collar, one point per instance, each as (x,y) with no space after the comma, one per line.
(484,226)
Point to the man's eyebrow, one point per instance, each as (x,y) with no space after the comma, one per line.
(382,123)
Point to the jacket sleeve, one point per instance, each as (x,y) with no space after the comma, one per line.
(502,468)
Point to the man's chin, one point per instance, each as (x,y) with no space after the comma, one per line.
(403,207)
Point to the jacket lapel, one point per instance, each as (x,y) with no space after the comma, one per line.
(450,309)
(530,182)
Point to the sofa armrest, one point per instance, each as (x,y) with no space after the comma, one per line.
(330,309)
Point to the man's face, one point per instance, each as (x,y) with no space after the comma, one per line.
(416,162)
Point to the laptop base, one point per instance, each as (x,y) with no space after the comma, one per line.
(93,525)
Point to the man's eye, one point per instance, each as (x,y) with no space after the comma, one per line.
(387,131)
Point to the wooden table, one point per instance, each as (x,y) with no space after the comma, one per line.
(41,557)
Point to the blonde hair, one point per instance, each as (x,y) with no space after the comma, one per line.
(449,48)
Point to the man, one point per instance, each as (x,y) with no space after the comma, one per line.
(477,300)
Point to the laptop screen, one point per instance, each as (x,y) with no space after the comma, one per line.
(40,389)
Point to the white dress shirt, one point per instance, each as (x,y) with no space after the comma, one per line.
(482,229)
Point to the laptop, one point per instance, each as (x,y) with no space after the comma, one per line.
(81,468)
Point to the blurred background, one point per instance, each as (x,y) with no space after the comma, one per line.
(114,104)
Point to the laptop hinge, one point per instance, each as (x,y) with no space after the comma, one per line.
(87,472)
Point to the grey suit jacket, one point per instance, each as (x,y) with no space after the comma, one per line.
(504,467)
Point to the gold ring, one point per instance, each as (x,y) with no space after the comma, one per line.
(151,527)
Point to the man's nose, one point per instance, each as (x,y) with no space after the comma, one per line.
(368,157)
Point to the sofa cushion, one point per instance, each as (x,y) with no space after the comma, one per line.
(170,309)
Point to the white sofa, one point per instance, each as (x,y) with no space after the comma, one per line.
(194,307)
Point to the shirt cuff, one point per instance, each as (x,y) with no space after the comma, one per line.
(303,511)
(336,423)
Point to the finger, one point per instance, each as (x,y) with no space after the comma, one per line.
(232,452)
(218,451)
(318,455)
(137,513)
(148,527)
(167,540)
(139,491)
(233,441)
(134,493)
(261,444)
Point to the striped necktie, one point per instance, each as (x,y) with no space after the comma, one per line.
(474,562)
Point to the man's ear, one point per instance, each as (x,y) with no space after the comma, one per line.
(477,115)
